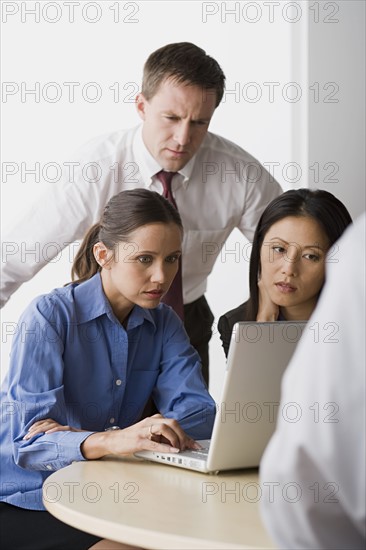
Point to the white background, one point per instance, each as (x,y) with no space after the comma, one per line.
(254,42)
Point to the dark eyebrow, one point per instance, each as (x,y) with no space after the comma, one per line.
(153,253)
(171,113)
(306,246)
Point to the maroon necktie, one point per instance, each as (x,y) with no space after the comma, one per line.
(174,296)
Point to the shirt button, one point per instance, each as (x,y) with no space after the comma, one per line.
(49,467)
(112,420)
(118,382)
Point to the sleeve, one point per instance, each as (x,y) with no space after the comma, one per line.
(180,391)
(313,470)
(227,321)
(64,214)
(225,330)
(261,189)
(36,392)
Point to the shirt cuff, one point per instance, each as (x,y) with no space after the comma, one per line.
(71,445)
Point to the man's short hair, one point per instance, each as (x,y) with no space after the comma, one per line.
(184,63)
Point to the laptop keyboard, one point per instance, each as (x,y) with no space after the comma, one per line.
(200,453)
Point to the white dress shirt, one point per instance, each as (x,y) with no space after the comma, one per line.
(220,188)
(313,470)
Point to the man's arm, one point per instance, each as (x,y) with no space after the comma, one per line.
(61,216)
(261,189)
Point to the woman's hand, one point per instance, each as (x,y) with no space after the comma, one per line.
(154,433)
(48,426)
(267,310)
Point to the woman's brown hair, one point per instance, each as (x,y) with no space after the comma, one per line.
(123,214)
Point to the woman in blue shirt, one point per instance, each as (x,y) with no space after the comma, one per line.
(89,355)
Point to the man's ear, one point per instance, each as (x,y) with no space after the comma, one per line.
(102,255)
(141,102)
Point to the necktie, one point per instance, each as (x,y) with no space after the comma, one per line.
(174,296)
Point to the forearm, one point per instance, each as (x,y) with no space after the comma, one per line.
(96,446)
(265,316)
(268,311)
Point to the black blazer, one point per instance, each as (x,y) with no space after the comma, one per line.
(227,322)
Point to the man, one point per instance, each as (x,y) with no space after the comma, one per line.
(313,470)
(216,185)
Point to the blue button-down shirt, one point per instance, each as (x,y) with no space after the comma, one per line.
(74,362)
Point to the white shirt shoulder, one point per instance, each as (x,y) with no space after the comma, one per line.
(107,145)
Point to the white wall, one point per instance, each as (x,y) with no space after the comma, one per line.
(261,47)
(337,100)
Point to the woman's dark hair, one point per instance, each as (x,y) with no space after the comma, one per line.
(184,63)
(123,214)
(322,206)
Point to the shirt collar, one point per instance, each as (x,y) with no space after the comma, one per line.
(91,303)
(147,164)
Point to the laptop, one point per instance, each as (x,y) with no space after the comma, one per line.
(246,414)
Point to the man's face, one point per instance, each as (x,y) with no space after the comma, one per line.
(176,120)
